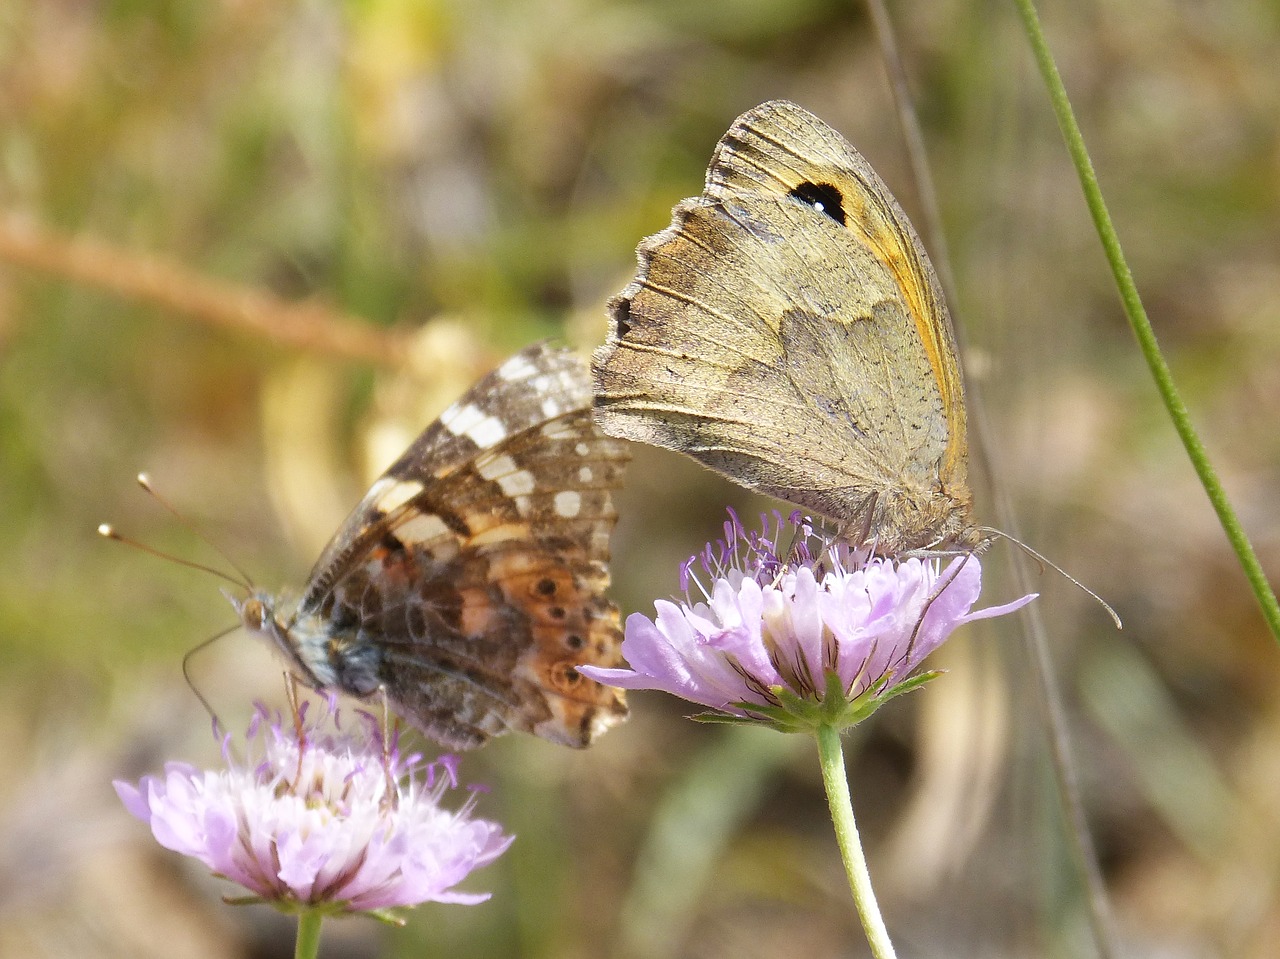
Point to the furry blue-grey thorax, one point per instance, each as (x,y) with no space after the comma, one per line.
(320,653)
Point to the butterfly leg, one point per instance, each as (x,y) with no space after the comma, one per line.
(860,523)
(392,799)
(295,709)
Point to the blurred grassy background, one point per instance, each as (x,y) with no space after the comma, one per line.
(472,175)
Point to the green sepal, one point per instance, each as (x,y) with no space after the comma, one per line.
(769,717)
(724,719)
(805,714)
(836,705)
(246,901)
(912,684)
(292,907)
(808,712)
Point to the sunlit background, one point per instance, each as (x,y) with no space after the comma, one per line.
(459,179)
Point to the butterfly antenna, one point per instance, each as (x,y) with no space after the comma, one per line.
(1044,560)
(107,531)
(245,582)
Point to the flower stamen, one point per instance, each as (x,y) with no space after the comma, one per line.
(327,819)
(786,636)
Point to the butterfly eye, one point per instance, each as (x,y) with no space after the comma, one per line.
(824,198)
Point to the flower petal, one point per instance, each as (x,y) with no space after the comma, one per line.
(768,624)
(309,821)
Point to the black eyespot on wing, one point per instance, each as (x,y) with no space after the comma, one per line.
(823,197)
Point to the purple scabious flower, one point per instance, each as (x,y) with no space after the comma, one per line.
(810,634)
(321,819)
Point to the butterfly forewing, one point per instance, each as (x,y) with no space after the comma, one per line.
(533,386)
(787,330)
(781,149)
(470,582)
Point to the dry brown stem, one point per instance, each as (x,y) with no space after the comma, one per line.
(142,278)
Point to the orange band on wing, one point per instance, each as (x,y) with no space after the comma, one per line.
(930,320)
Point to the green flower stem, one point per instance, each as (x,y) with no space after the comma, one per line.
(308,944)
(855,863)
(1141,325)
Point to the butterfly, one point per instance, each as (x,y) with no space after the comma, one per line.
(469,583)
(788,331)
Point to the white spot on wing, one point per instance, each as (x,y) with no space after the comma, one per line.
(584,474)
(511,479)
(470,421)
(558,429)
(457,419)
(519,483)
(582,449)
(568,504)
(488,432)
(389,493)
(497,466)
(516,368)
(422,528)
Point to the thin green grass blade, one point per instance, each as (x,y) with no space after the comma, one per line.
(1141,325)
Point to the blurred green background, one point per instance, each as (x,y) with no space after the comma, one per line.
(464,178)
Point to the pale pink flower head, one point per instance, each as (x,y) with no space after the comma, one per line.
(799,635)
(320,818)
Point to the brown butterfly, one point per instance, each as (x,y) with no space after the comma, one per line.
(788,331)
(469,583)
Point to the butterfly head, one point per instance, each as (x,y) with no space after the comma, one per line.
(260,614)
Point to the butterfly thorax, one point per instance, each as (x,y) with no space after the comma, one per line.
(316,649)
